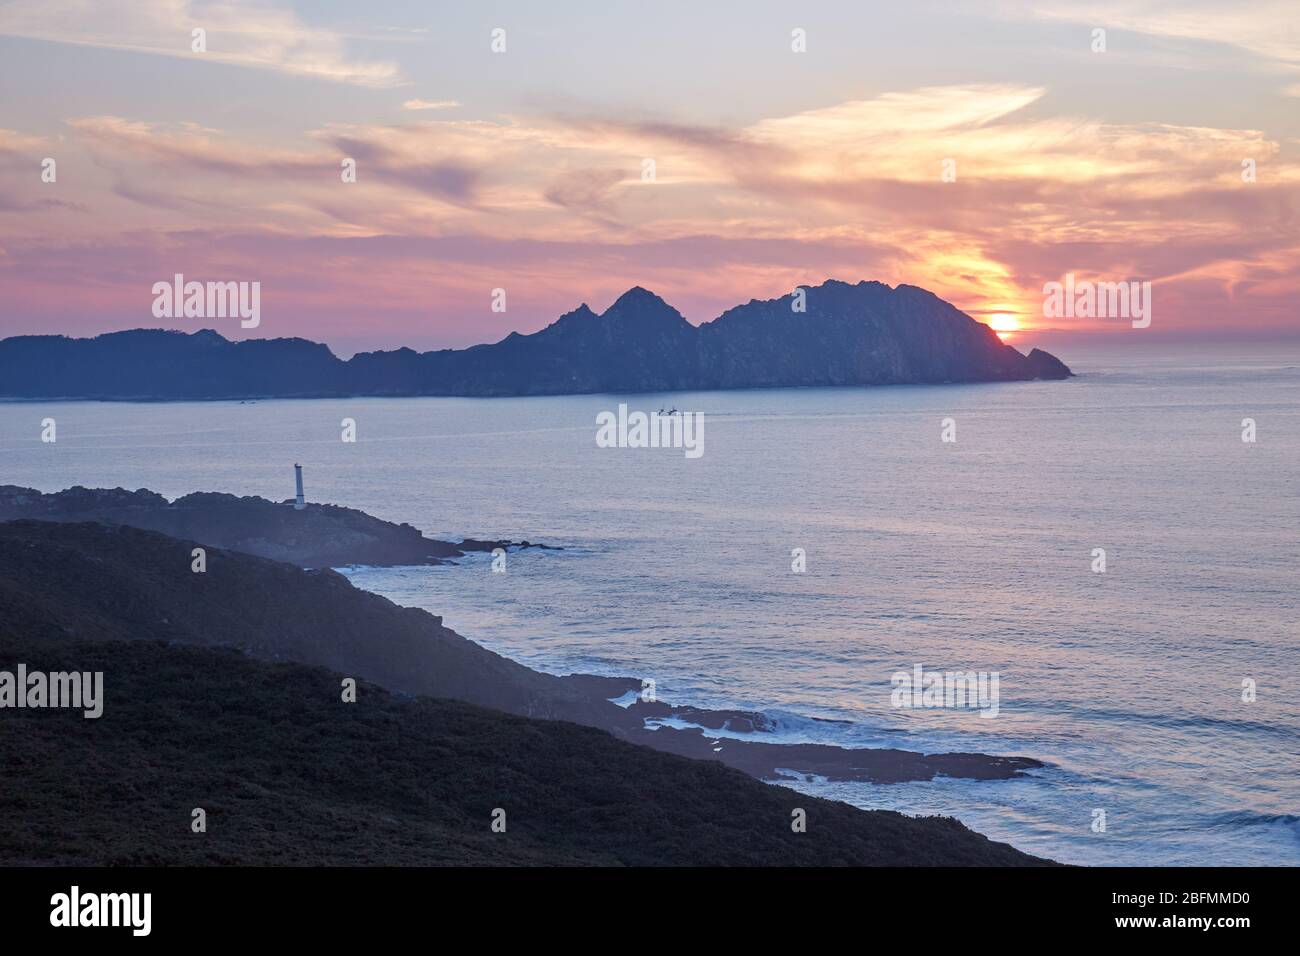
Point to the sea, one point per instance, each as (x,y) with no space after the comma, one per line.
(1109,546)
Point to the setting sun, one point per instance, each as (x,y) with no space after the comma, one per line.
(1003,323)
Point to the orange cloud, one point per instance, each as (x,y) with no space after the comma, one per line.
(854,189)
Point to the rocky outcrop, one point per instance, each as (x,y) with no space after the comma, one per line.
(1047,365)
(320,536)
(836,334)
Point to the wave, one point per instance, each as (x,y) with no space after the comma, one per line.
(1250,819)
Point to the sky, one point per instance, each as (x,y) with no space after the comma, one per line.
(979,150)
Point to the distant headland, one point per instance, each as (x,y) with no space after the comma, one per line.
(308,535)
(834,334)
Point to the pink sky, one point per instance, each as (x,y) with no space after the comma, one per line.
(525,170)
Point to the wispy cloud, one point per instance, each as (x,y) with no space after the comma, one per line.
(430,105)
(237,32)
(1266,28)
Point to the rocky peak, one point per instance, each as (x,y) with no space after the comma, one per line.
(640,307)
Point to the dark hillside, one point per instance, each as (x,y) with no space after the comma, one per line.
(289,774)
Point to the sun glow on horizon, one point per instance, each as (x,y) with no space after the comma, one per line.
(1004,324)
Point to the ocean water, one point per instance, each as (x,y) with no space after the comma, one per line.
(974,555)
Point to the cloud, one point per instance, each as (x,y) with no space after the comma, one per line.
(239,33)
(585,190)
(450,179)
(188,145)
(190,150)
(430,105)
(12,203)
(1265,28)
(557,206)
(16,143)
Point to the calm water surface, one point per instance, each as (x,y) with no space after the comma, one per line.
(973,556)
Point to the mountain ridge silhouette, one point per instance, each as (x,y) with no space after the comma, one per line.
(846,335)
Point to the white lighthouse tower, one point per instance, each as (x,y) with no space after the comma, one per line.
(299,502)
